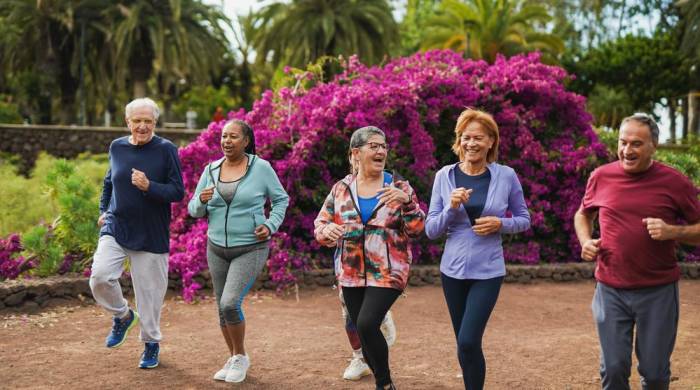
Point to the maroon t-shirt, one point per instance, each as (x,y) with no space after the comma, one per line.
(628,256)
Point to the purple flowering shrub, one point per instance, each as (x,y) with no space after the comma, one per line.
(12,264)
(546,136)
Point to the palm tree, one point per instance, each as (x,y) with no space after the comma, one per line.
(173,40)
(481,29)
(304,30)
(42,38)
(690,47)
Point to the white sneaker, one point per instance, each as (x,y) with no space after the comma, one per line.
(356,370)
(238,368)
(389,329)
(221,374)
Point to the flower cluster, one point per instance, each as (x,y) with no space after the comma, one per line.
(546,136)
(11,264)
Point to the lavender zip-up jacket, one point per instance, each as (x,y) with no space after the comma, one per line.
(467,255)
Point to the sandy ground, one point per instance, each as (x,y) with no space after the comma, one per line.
(540,336)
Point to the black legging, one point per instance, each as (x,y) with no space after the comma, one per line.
(367,307)
(470,303)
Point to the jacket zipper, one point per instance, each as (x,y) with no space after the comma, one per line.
(228,205)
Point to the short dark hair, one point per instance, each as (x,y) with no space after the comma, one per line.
(645,119)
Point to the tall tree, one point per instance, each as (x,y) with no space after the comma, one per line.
(482,29)
(43,38)
(172,40)
(690,47)
(300,32)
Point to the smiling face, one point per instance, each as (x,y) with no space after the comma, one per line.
(141,123)
(635,147)
(372,155)
(233,141)
(475,143)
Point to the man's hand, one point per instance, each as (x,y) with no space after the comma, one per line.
(658,229)
(486,225)
(262,232)
(589,249)
(459,196)
(206,194)
(101,220)
(139,179)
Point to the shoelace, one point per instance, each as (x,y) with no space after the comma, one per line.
(150,352)
(119,325)
(237,363)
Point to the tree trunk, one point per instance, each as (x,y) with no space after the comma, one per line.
(694,112)
(684,114)
(672,118)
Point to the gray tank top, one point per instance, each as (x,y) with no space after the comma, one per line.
(227,189)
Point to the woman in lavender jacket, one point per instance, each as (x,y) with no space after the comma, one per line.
(473,203)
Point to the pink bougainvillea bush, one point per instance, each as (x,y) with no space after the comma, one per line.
(546,136)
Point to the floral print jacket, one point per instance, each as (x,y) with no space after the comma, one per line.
(376,254)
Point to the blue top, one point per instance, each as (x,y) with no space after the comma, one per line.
(140,220)
(233,223)
(467,255)
(480,186)
(367,206)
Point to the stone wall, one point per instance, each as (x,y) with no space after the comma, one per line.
(27,141)
(34,295)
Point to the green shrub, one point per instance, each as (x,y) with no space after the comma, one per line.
(25,202)
(42,248)
(204,101)
(76,196)
(9,112)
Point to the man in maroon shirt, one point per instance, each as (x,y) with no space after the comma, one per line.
(639,203)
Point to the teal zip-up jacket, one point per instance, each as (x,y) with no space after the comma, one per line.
(234,224)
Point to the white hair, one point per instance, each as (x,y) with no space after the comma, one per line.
(142,102)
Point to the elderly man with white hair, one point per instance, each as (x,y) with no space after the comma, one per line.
(143,179)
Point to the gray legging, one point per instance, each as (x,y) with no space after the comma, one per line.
(233,272)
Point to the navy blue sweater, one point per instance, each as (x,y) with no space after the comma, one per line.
(136,219)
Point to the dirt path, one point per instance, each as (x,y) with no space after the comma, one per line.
(540,336)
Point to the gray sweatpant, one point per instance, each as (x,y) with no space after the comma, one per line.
(233,272)
(654,311)
(149,276)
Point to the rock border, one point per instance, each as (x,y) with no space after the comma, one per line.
(34,295)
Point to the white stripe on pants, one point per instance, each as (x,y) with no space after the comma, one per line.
(149,276)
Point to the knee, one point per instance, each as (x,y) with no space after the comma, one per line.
(367,326)
(99,279)
(230,312)
(468,346)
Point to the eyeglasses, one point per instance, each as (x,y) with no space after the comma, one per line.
(374,146)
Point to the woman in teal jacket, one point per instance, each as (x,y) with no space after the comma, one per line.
(232,193)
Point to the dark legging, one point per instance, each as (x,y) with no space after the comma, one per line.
(367,307)
(470,303)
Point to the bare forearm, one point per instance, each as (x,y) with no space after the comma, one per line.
(687,234)
(583,224)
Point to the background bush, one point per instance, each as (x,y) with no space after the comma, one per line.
(546,136)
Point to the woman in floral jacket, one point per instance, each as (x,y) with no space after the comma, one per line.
(371,218)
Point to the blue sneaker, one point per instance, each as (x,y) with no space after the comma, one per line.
(121,328)
(149,357)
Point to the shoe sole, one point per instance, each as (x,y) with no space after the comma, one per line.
(236,381)
(357,378)
(147,367)
(126,333)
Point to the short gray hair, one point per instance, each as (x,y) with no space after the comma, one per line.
(645,119)
(360,136)
(142,102)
